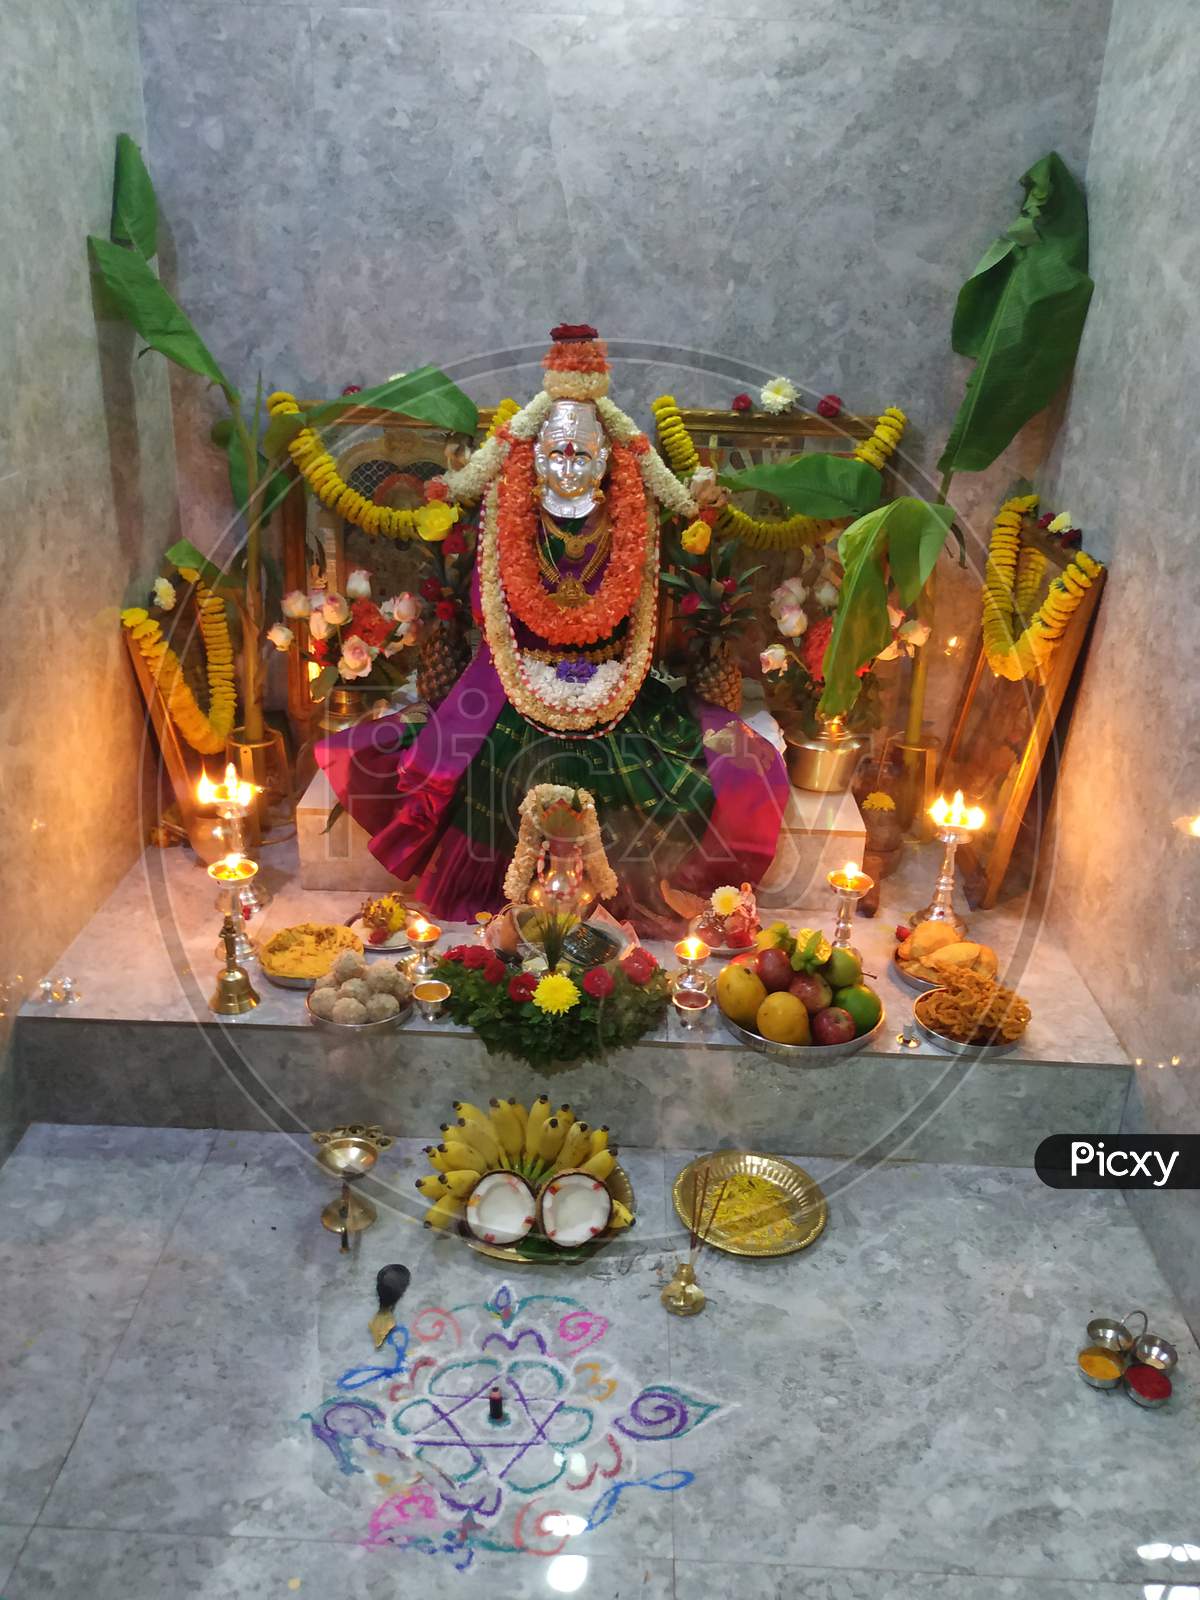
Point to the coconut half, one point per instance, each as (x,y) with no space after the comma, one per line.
(501,1209)
(574,1208)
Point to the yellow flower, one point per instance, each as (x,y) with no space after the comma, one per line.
(878,801)
(434,521)
(726,900)
(695,538)
(1060,523)
(555,994)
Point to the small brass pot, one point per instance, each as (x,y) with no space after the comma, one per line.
(826,762)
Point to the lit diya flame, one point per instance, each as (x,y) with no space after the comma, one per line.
(692,949)
(1190,826)
(849,878)
(232,869)
(954,814)
(231,792)
(422,932)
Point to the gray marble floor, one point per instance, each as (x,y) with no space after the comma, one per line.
(190,1403)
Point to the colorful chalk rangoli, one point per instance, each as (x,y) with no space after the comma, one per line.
(567,1453)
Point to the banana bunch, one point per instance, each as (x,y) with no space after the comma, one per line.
(534,1143)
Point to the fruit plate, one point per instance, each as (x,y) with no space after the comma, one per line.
(910,979)
(955,1047)
(808,1211)
(721,949)
(546,1254)
(804,1055)
(396,941)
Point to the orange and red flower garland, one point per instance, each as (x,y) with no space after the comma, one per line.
(524,591)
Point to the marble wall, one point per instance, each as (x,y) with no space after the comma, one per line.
(775,185)
(1127,882)
(87,483)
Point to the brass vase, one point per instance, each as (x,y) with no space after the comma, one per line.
(824,763)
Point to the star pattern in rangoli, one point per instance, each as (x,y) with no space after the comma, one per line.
(560,1463)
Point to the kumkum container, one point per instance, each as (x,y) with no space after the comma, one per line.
(1101,1355)
(1147,1386)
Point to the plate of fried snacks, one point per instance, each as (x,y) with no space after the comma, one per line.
(751,1204)
(970,1014)
(923,958)
(296,957)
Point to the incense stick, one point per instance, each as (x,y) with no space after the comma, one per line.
(699,1195)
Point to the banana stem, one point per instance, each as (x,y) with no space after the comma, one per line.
(916,694)
(252,612)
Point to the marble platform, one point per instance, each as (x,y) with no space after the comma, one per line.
(818,834)
(897,1411)
(141,1047)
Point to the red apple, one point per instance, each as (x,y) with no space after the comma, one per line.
(812,989)
(833,1026)
(774,968)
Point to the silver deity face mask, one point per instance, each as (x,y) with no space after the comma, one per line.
(571,458)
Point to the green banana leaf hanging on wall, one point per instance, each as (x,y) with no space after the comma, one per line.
(1021,314)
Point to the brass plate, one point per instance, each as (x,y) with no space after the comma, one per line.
(809,1208)
(618,1186)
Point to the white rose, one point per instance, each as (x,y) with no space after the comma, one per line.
(358,584)
(826,594)
(402,608)
(773,659)
(282,638)
(355,659)
(318,627)
(791,622)
(296,603)
(336,609)
(164,594)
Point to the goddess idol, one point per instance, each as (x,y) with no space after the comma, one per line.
(562,688)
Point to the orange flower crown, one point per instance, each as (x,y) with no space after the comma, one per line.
(576,364)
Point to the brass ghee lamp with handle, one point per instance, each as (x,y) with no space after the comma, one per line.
(348,1153)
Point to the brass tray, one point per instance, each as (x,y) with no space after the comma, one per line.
(618,1186)
(810,1210)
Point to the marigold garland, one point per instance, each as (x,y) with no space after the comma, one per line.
(673,437)
(505,412)
(527,597)
(498,633)
(773,533)
(1010,587)
(205,734)
(319,470)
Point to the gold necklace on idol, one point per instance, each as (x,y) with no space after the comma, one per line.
(570,591)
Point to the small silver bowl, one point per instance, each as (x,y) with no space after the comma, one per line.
(1141,1399)
(1112,1335)
(1099,1383)
(1156,1352)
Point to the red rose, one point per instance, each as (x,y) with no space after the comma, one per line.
(476,956)
(521,988)
(320,650)
(829,405)
(431,589)
(456,952)
(446,610)
(741,402)
(689,605)
(573,332)
(494,970)
(454,544)
(435,489)
(1045,519)
(709,515)
(598,983)
(639,965)
(369,623)
(352,388)
(814,645)
(729,585)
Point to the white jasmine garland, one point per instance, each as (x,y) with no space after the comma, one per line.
(543,679)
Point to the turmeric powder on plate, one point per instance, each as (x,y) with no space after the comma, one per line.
(1099,1364)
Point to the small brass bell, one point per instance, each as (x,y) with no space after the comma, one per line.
(234,993)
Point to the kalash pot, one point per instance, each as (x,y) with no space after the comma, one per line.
(824,763)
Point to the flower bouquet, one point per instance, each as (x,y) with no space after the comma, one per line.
(549,1018)
(803,614)
(351,638)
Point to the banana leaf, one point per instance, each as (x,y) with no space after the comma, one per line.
(143,302)
(818,484)
(427,394)
(908,534)
(1021,315)
(135,208)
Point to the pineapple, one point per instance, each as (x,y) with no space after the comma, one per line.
(716,604)
(443,656)
(714,674)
